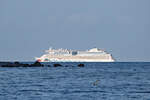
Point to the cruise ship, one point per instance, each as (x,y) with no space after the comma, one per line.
(66,55)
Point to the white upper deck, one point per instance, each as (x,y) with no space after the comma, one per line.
(95,50)
(67,50)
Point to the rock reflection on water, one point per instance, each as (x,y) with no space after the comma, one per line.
(95,81)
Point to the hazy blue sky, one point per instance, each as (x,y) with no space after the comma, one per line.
(28,27)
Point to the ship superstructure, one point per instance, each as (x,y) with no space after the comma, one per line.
(66,55)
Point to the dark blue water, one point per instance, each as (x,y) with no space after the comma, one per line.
(95,81)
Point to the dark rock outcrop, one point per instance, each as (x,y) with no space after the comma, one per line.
(56,65)
(15,64)
(37,64)
(80,65)
(18,64)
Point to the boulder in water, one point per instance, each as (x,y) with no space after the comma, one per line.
(37,64)
(56,65)
(80,65)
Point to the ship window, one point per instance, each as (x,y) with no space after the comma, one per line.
(74,53)
(46,59)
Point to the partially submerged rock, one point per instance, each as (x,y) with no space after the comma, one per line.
(15,64)
(37,64)
(80,65)
(56,65)
(18,64)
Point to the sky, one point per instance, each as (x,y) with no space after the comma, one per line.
(29,27)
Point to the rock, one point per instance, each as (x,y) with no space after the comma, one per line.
(48,65)
(25,65)
(17,63)
(36,64)
(80,65)
(56,65)
(8,65)
(5,64)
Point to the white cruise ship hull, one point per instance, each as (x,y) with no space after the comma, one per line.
(102,58)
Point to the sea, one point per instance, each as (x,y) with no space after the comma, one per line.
(94,81)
